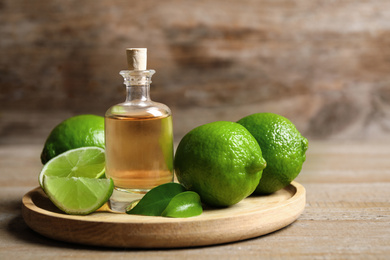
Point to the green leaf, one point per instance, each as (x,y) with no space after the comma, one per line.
(157,199)
(184,205)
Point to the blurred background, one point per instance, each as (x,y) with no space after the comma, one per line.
(323,64)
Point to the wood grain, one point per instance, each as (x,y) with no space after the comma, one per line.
(323,64)
(347,212)
(252,217)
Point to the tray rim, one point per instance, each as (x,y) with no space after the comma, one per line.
(296,202)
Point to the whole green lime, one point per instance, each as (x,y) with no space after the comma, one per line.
(283,148)
(74,132)
(221,161)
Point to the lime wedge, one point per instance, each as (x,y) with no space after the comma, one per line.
(86,162)
(78,195)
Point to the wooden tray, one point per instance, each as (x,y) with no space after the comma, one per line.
(252,217)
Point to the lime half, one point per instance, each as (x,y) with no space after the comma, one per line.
(78,195)
(86,162)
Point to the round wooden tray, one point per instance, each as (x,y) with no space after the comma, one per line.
(252,217)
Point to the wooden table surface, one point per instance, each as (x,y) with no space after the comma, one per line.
(347,215)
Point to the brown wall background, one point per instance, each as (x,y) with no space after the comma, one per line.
(323,64)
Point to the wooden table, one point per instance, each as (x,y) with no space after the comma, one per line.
(347,215)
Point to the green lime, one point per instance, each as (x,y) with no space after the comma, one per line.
(74,132)
(78,196)
(221,161)
(283,148)
(86,162)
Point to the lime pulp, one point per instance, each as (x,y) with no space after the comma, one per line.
(88,162)
(78,195)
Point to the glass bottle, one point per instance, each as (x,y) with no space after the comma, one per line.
(138,138)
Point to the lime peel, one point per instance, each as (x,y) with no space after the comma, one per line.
(74,132)
(221,161)
(283,148)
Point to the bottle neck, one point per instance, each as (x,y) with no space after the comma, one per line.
(137,84)
(137,93)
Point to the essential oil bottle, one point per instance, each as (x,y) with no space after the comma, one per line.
(138,137)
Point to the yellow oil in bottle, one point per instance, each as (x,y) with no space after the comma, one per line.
(139,152)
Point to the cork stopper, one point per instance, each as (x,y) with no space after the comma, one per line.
(136,58)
